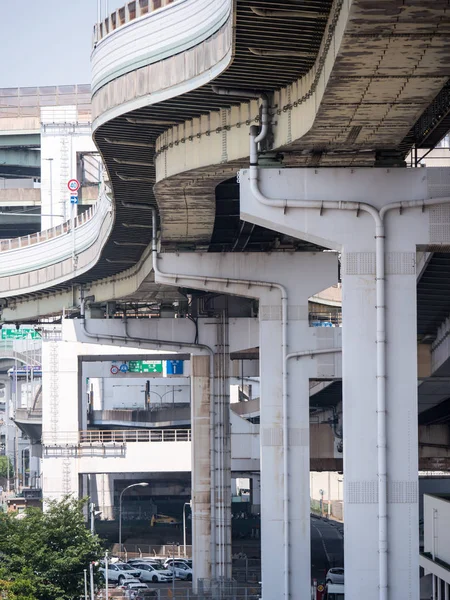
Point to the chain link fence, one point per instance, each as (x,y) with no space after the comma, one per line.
(207,590)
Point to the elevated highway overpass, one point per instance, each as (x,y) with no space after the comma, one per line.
(348,85)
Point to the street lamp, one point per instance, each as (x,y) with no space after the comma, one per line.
(142,484)
(165,394)
(184,525)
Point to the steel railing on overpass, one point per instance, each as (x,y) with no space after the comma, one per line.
(51,257)
(47,234)
(125,14)
(119,436)
(138,435)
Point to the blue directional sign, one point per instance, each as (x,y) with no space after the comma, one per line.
(73,198)
(174,367)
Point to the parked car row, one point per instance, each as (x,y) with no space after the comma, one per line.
(146,570)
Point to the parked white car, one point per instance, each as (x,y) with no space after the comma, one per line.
(132,588)
(335,575)
(120,572)
(181,568)
(169,561)
(153,572)
(146,559)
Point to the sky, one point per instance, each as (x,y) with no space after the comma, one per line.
(47,42)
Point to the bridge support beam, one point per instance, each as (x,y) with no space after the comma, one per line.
(378,243)
(282,283)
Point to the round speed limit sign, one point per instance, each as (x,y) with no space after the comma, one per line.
(73,185)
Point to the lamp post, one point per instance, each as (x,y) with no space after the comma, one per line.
(173,565)
(85,585)
(142,484)
(184,525)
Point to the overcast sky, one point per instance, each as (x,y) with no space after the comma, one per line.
(47,42)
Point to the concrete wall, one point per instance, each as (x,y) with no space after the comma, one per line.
(438,509)
(432,484)
(331,483)
(130,392)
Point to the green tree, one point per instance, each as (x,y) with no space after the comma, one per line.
(42,556)
(4,460)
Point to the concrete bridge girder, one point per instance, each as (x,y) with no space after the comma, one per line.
(20,158)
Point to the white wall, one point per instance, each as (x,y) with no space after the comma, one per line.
(330,482)
(439,509)
(130,392)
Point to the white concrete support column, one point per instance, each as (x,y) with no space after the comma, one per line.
(35,464)
(201,467)
(10,432)
(378,242)
(360,417)
(282,283)
(255,489)
(105,494)
(273,469)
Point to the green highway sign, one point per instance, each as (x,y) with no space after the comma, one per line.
(24,333)
(145,366)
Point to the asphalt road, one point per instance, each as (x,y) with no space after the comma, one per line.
(327,546)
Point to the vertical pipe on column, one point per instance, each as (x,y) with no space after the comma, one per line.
(381,407)
(433,549)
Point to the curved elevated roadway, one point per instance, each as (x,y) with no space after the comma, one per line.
(350,83)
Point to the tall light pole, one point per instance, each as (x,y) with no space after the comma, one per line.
(142,484)
(184,525)
(85,585)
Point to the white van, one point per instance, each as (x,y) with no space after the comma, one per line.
(335,591)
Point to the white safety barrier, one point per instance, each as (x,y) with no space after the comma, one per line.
(51,257)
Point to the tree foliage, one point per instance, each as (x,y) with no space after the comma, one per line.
(43,555)
(4,460)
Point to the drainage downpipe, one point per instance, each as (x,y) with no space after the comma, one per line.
(250,94)
(284,310)
(378,216)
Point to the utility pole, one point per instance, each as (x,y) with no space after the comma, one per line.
(85,585)
(91,574)
(173,569)
(16,437)
(173,566)
(106,577)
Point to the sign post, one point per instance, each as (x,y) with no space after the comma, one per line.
(74,186)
